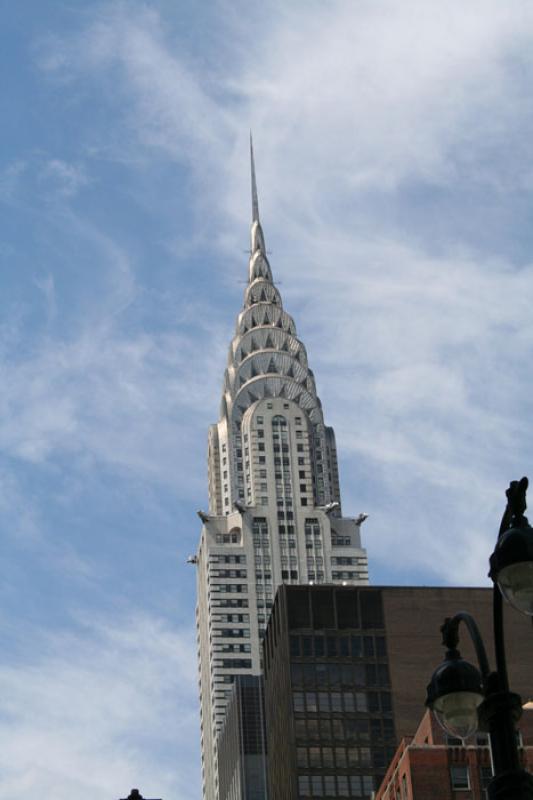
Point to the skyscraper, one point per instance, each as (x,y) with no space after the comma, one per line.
(274,496)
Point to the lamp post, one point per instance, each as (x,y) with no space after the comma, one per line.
(465,698)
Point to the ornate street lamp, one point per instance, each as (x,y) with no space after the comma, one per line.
(465,698)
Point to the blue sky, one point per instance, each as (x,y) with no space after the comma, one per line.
(394,150)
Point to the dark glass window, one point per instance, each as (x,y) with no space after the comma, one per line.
(321,672)
(373,702)
(371,609)
(296,674)
(334,674)
(368,646)
(323,701)
(359,674)
(298,701)
(299,616)
(307,646)
(347,674)
(485,777)
(460,777)
(310,700)
(370,674)
(294,643)
(388,730)
(344,646)
(340,756)
(309,674)
(386,704)
(355,643)
(383,674)
(381,650)
(332,646)
(312,729)
(301,756)
(319,646)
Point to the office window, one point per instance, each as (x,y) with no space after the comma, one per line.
(301,756)
(314,757)
(485,777)
(342,786)
(460,777)
(298,701)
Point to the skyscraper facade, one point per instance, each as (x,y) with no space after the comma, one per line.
(274,496)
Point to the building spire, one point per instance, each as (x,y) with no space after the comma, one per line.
(259,266)
(255,202)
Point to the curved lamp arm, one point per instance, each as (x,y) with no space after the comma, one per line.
(450,639)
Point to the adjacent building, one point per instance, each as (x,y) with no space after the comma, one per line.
(274,512)
(431,764)
(346,670)
(242,766)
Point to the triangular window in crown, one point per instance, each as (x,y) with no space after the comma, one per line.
(253,345)
(272,366)
(282,392)
(253,372)
(263,298)
(290,372)
(266,391)
(269,342)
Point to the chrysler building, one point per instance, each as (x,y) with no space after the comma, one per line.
(274,496)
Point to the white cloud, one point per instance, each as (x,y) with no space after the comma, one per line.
(77,714)
(69,178)
(125,401)
(415,342)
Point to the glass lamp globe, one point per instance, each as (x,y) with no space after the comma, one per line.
(516,585)
(457,713)
(511,566)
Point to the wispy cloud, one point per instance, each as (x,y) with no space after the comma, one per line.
(78,713)
(69,178)
(415,329)
(393,144)
(123,401)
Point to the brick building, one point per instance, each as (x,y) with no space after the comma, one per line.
(346,670)
(431,764)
